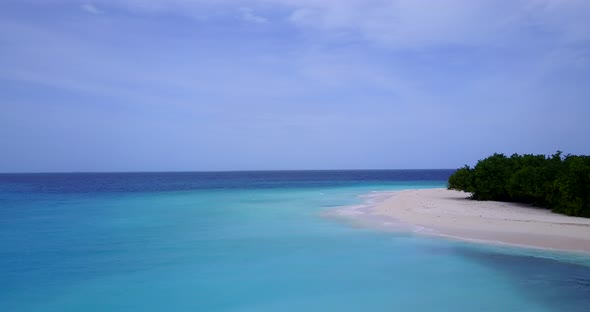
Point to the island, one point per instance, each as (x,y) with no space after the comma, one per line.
(526,200)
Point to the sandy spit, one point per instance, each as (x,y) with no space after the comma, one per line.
(451,213)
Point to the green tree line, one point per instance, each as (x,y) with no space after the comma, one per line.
(561,183)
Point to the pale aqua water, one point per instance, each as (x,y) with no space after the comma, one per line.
(251,243)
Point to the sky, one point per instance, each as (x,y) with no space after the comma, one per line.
(205,85)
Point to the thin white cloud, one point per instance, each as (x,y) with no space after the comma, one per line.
(423,23)
(248,15)
(90,8)
(400,23)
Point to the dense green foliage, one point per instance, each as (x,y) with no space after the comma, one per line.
(556,182)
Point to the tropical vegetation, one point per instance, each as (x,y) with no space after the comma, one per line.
(560,183)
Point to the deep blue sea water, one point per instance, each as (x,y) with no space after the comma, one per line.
(251,241)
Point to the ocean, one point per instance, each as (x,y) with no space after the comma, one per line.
(252,241)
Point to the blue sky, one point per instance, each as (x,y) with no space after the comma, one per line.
(131,85)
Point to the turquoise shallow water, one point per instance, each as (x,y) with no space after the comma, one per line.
(254,245)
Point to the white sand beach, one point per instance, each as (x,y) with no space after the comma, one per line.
(451,213)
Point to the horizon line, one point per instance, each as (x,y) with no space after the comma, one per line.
(216,171)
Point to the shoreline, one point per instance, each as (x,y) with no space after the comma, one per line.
(450,214)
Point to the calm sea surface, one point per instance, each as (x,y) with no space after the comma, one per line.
(251,241)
